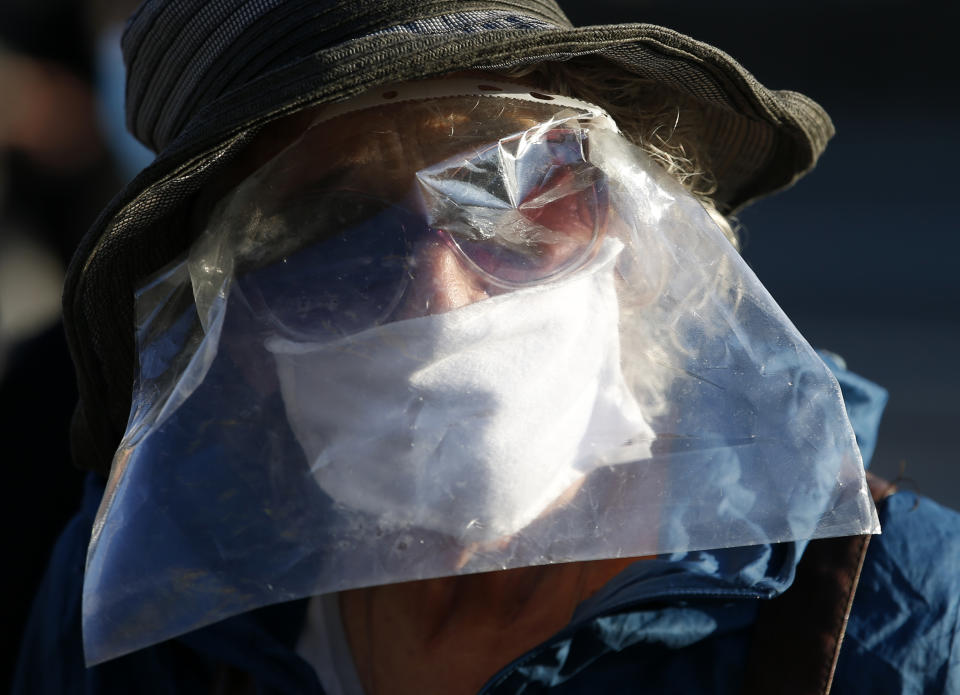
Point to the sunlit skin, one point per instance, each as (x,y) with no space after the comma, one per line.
(451,634)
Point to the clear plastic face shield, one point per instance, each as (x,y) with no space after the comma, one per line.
(454,335)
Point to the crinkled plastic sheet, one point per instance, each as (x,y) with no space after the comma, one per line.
(648,397)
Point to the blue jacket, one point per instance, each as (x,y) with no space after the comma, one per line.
(675,624)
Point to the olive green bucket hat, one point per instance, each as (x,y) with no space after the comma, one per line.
(205,76)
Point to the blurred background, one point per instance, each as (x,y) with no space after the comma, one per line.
(862,254)
(61,160)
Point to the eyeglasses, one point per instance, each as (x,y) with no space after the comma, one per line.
(522,212)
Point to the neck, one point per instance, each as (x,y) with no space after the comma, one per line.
(452,634)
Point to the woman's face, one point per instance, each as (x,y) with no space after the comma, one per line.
(437,171)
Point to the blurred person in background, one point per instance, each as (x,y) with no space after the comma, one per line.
(312,484)
(55,175)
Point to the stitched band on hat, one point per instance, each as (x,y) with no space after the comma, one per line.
(468,23)
(184,54)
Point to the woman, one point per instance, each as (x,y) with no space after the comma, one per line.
(339,394)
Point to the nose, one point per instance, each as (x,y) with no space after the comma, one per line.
(439,281)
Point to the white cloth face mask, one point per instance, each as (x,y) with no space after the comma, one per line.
(470,422)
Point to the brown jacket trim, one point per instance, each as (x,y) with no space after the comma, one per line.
(797,636)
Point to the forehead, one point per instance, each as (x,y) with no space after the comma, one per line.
(384,146)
